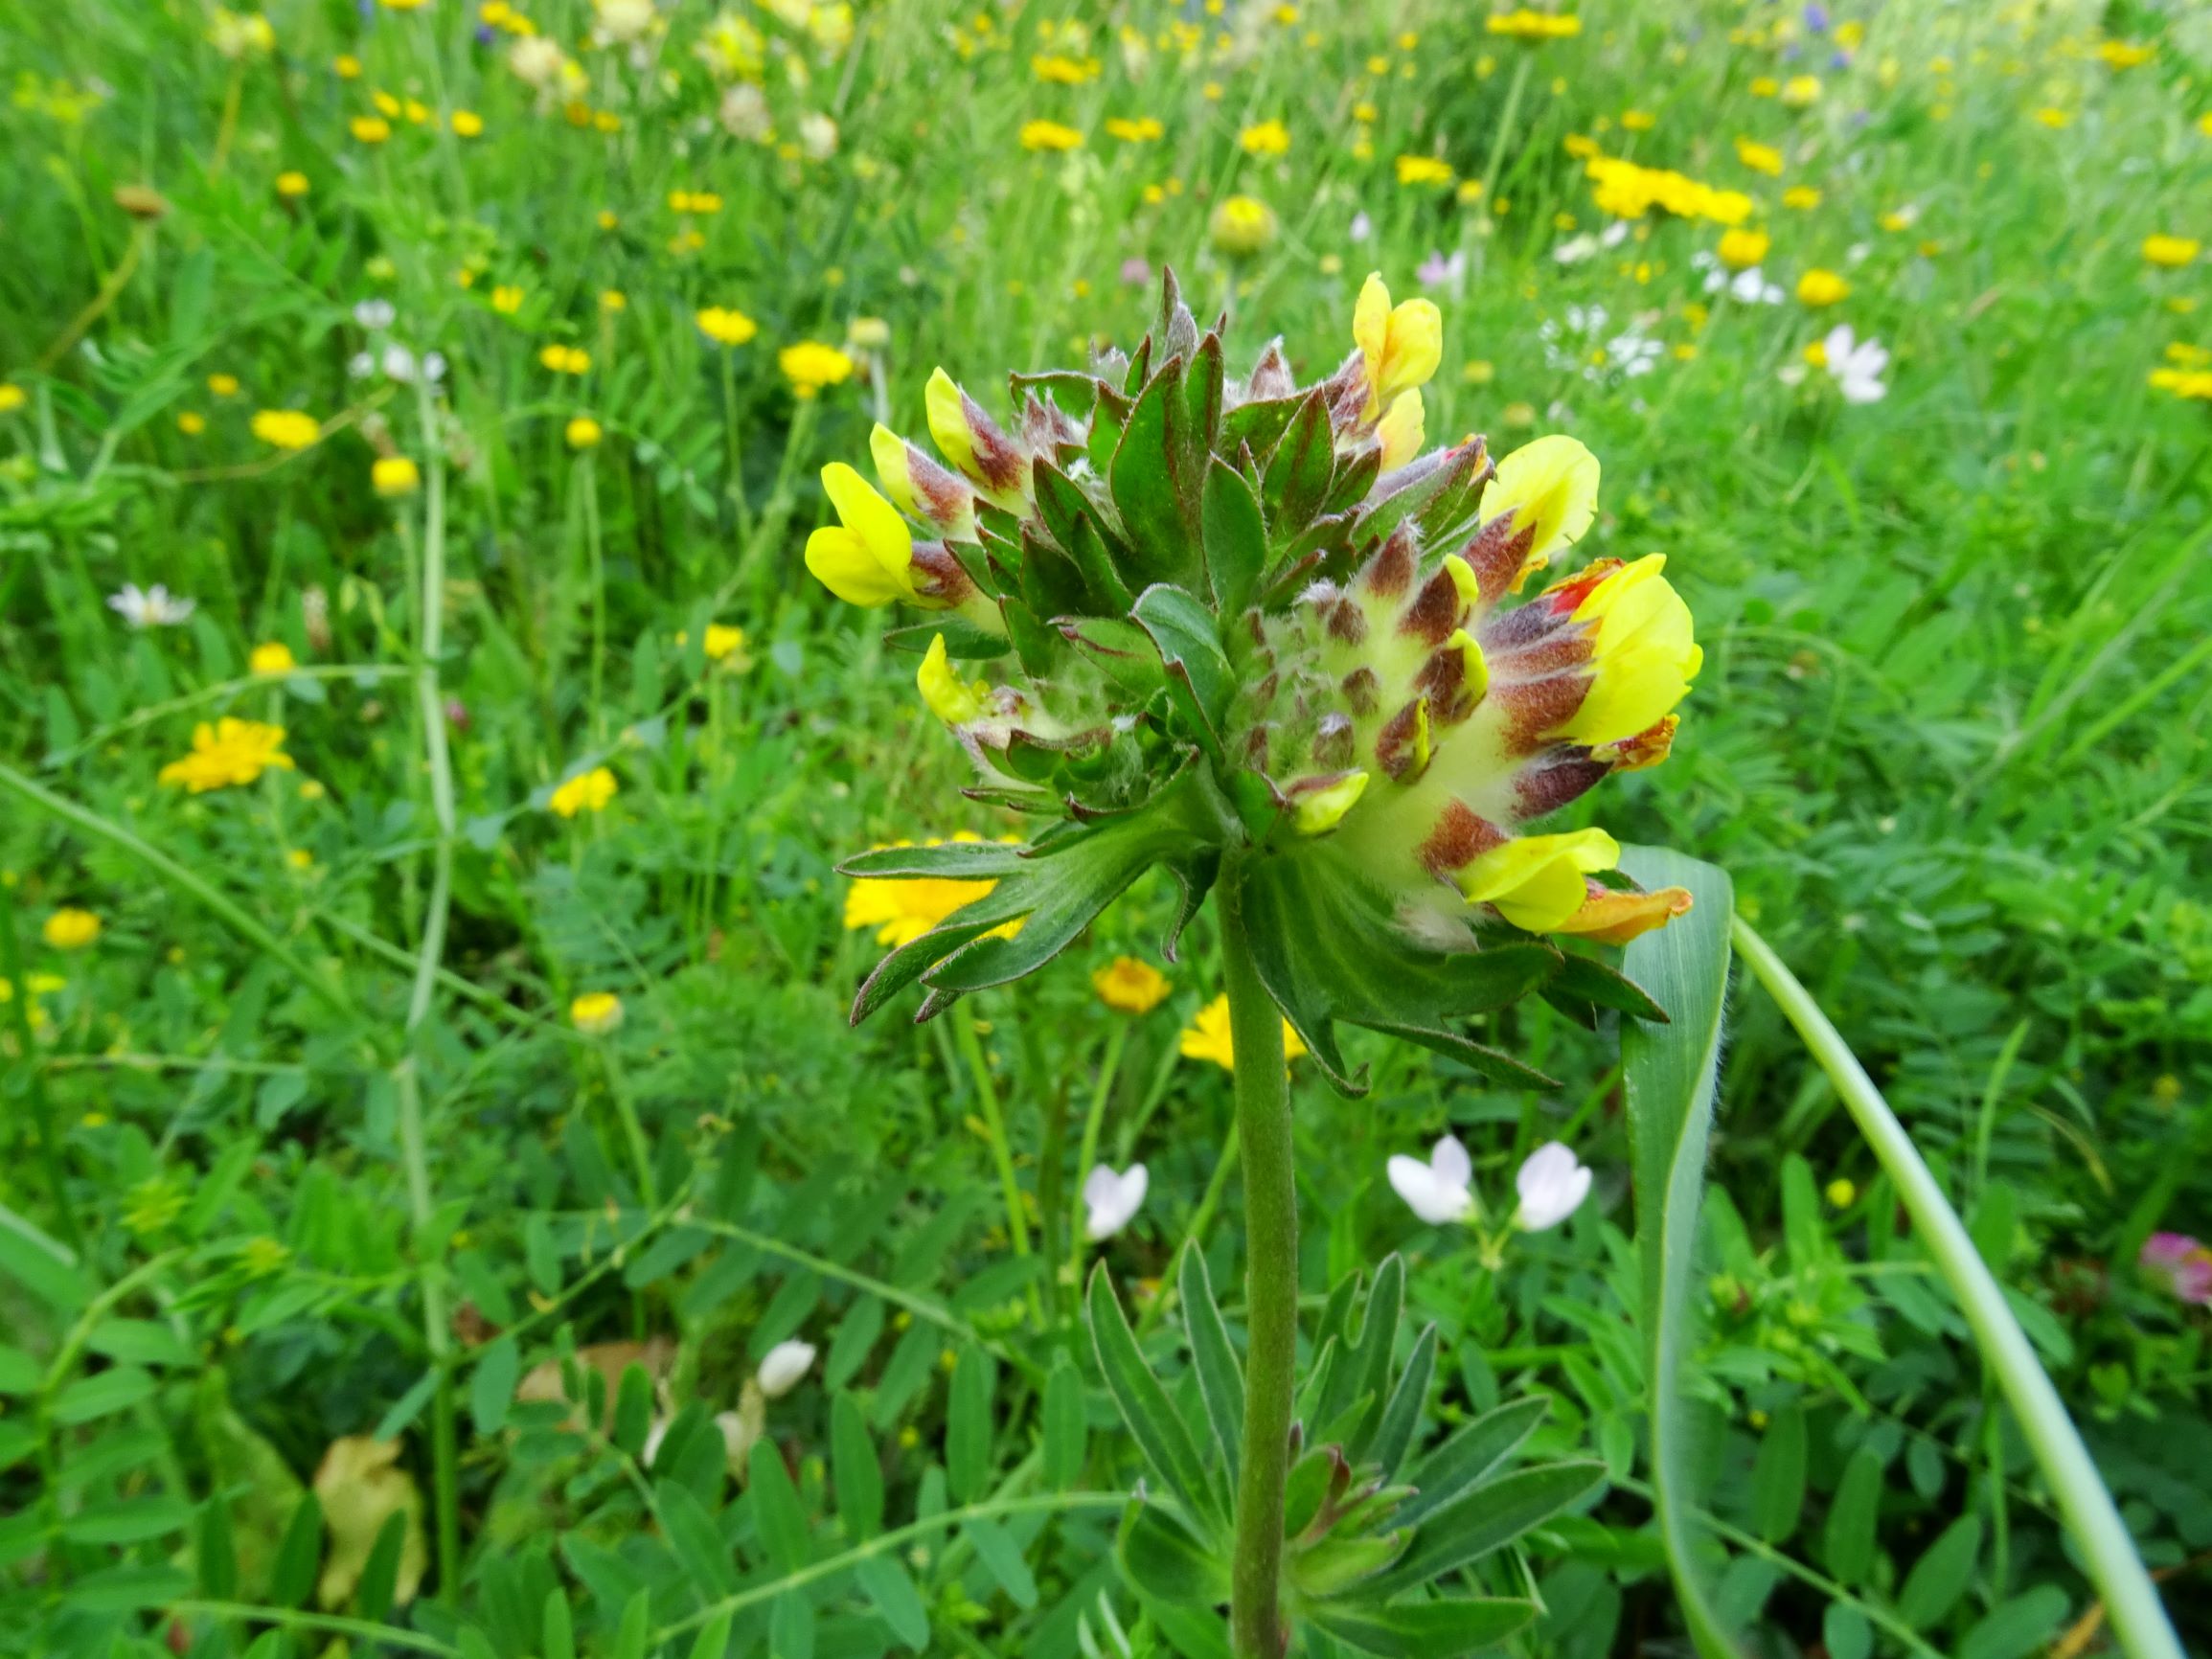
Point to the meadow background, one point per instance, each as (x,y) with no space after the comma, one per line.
(491,1054)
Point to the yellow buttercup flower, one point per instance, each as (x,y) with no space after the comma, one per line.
(11,397)
(722,640)
(1819,287)
(274,657)
(583,433)
(1424,170)
(291,185)
(1801,196)
(287,428)
(1208,1036)
(69,929)
(223,385)
(586,792)
(506,299)
(1643,652)
(231,752)
(867,558)
(1740,249)
(2171,251)
(596,1012)
(1759,158)
(1049,135)
(1127,986)
(1401,345)
(393,475)
(1525,24)
(901,912)
(565,359)
(724,325)
(370,129)
(468,124)
(1266,138)
(811,365)
(1141,129)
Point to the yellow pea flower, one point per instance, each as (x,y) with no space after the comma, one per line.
(1642,654)
(867,559)
(951,698)
(1401,345)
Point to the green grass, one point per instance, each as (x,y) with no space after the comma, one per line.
(1949,744)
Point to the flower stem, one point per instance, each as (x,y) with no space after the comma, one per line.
(430,711)
(1001,1152)
(1256,1628)
(2108,1553)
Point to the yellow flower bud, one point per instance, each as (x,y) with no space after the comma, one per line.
(1324,810)
(1644,655)
(951,698)
(1551,488)
(1536,881)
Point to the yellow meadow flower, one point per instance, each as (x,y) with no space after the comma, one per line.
(596,1012)
(393,475)
(811,365)
(292,185)
(1267,138)
(1759,158)
(1142,129)
(1127,986)
(287,428)
(468,124)
(726,326)
(1819,287)
(69,929)
(272,657)
(586,792)
(1050,135)
(2172,251)
(1208,1036)
(1424,170)
(231,752)
(1740,249)
(1241,226)
(583,433)
(901,912)
(1526,24)
(370,129)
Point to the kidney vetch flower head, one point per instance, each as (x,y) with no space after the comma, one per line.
(1234,629)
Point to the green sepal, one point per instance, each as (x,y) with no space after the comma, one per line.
(1259,425)
(964,641)
(1438,478)
(1152,486)
(1198,677)
(1300,471)
(1036,646)
(1236,538)
(1327,946)
(1307,1488)
(1355,478)
(1122,651)
(1583,985)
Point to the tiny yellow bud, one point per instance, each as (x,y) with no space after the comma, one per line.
(1322,811)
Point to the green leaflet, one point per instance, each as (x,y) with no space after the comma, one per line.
(1670,1076)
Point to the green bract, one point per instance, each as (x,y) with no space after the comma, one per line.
(1237,629)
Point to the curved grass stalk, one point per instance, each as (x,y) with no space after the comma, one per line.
(2107,1552)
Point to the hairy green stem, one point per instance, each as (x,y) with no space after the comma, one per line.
(430,712)
(1256,1626)
(2108,1553)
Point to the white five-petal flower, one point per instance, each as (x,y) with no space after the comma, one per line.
(1110,1201)
(1857,365)
(1552,1183)
(1441,1191)
(149,607)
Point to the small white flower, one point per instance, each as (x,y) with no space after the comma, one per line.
(739,1433)
(786,1362)
(374,313)
(1110,1201)
(1857,365)
(817,136)
(153,607)
(1615,234)
(1633,355)
(1362,227)
(1752,287)
(1575,249)
(1552,1184)
(361,365)
(744,113)
(1440,1191)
